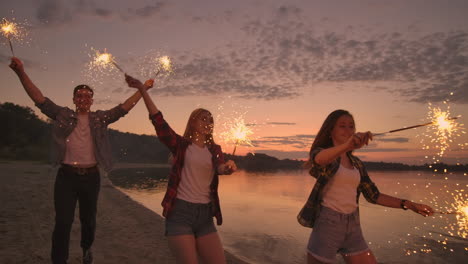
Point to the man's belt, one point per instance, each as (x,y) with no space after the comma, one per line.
(80,171)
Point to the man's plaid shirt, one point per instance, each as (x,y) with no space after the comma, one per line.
(178,146)
(323,174)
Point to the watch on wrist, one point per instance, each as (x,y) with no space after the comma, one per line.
(402,204)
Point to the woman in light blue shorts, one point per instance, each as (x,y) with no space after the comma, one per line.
(191,199)
(332,207)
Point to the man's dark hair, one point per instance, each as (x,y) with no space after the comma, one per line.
(83,86)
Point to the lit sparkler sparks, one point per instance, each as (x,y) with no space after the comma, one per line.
(104,60)
(11,31)
(460,209)
(444,131)
(238,133)
(165,64)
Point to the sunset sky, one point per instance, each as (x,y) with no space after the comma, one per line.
(282,66)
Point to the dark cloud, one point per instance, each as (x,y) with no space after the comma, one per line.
(53,11)
(102,12)
(288,10)
(59,12)
(428,66)
(286,54)
(285,154)
(220,73)
(383,150)
(281,123)
(146,11)
(295,141)
(395,139)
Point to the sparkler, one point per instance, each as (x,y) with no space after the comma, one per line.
(442,122)
(165,64)
(105,59)
(238,133)
(460,209)
(11,30)
(444,132)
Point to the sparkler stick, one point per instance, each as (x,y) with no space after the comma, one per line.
(117,66)
(11,46)
(415,126)
(104,59)
(9,29)
(461,210)
(449,213)
(235,147)
(165,64)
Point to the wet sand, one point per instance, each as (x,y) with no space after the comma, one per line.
(127,232)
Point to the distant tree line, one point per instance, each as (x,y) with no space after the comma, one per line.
(26,137)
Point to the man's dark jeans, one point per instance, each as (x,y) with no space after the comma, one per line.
(70,187)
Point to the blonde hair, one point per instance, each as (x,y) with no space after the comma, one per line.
(189,129)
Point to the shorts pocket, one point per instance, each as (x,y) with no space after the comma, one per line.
(181,214)
(328,218)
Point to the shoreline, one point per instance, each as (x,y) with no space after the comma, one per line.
(127,232)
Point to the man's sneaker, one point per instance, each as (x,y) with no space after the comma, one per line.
(87,256)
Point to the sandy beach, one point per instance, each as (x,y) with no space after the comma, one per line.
(127,232)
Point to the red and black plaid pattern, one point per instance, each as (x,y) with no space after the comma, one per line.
(178,146)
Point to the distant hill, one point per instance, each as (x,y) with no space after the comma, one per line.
(263,162)
(26,137)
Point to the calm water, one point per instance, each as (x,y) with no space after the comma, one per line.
(259,211)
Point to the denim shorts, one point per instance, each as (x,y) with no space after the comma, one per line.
(188,218)
(335,232)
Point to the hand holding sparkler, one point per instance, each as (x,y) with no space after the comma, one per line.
(227,168)
(358,140)
(421,209)
(16,65)
(135,83)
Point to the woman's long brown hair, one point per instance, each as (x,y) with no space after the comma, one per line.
(323,138)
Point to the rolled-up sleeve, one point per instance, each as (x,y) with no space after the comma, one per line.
(369,189)
(49,108)
(112,115)
(316,168)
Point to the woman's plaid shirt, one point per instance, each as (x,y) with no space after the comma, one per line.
(323,174)
(178,146)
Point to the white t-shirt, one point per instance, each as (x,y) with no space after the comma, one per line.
(79,149)
(340,192)
(197,175)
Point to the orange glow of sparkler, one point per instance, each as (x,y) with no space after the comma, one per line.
(459,208)
(165,64)
(104,60)
(238,133)
(8,28)
(11,31)
(443,132)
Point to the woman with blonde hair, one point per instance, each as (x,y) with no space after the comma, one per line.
(191,200)
(332,209)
